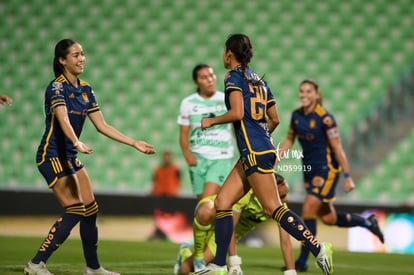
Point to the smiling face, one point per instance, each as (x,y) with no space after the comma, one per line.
(74,61)
(308,95)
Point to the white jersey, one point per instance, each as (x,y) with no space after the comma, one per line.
(215,142)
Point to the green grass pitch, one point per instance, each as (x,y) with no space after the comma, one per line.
(132,257)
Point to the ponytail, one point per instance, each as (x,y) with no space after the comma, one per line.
(241,46)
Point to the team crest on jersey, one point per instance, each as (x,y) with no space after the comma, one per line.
(85,97)
(312,123)
(72,95)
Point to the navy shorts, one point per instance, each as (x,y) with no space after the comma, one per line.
(325,192)
(263,163)
(53,169)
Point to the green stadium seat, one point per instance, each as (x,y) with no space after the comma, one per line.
(140,61)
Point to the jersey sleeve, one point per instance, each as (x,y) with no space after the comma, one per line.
(93,104)
(270,98)
(233,81)
(55,95)
(329,126)
(184,114)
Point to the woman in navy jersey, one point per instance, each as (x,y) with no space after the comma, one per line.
(252,110)
(323,159)
(68,101)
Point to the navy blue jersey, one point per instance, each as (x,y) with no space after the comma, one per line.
(79,103)
(252,132)
(313,131)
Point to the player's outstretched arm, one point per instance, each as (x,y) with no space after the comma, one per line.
(102,127)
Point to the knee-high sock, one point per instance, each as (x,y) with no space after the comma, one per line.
(310,222)
(59,232)
(89,235)
(200,236)
(296,228)
(223,232)
(350,220)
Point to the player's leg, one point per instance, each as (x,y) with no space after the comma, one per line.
(210,188)
(264,187)
(233,189)
(65,188)
(310,208)
(88,228)
(344,219)
(202,224)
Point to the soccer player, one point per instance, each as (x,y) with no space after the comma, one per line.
(248,213)
(209,154)
(68,101)
(323,158)
(252,110)
(5,99)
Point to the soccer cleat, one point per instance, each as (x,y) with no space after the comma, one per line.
(211,269)
(235,270)
(182,254)
(199,264)
(324,258)
(99,271)
(298,267)
(374,227)
(36,269)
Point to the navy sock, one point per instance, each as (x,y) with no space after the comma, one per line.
(304,252)
(59,232)
(89,236)
(223,231)
(291,222)
(350,220)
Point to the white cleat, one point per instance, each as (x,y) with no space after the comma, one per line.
(211,269)
(99,271)
(36,269)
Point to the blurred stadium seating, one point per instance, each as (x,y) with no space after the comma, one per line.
(140,55)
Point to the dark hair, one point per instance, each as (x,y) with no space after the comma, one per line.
(196,69)
(61,50)
(279,179)
(242,48)
(316,86)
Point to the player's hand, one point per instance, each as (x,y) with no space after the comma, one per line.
(81,147)
(191,159)
(206,123)
(349,184)
(144,147)
(5,99)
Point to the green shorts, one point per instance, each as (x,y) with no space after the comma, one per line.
(208,170)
